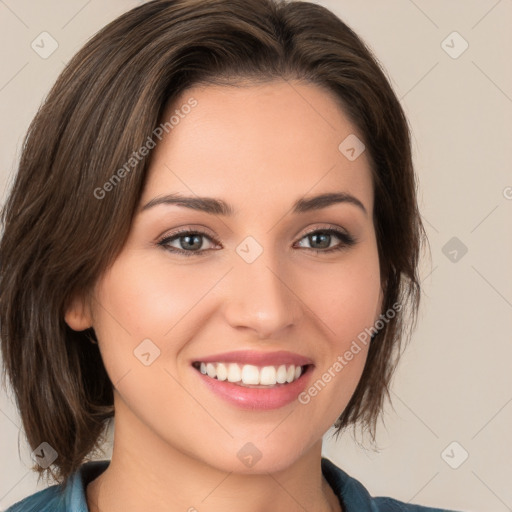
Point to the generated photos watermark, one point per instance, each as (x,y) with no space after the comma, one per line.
(343,360)
(144,150)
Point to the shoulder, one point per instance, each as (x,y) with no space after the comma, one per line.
(60,498)
(50,499)
(356,498)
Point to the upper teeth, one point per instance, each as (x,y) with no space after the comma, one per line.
(250,374)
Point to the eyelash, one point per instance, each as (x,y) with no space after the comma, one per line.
(346,241)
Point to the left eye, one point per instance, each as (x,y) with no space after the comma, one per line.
(320,236)
(191,241)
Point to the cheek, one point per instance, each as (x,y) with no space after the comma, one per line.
(141,299)
(141,324)
(344,301)
(345,297)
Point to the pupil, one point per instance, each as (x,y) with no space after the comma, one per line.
(194,237)
(325,236)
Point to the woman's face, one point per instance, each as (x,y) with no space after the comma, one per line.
(256,283)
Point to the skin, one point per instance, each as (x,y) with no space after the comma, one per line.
(259,148)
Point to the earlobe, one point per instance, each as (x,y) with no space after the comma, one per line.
(78,315)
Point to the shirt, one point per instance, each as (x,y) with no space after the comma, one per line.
(72,498)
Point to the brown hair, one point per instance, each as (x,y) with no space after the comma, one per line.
(59,237)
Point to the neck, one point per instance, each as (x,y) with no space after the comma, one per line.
(147,474)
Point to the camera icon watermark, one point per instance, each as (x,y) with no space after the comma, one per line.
(454,45)
(454,455)
(44,455)
(249,249)
(454,249)
(352,147)
(146,352)
(44,45)
(249,455)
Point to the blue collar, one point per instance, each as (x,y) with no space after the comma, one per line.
(352,495)
(72,498)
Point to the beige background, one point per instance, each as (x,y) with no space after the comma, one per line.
(455,380)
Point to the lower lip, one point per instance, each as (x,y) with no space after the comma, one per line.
(257,398)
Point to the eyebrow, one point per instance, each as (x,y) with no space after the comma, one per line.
(219,207)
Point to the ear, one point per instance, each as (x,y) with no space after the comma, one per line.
(78,314)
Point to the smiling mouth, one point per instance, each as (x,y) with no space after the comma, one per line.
(248,375)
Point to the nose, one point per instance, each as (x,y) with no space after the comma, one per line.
(261,297)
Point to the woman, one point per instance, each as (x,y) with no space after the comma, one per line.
(213,235)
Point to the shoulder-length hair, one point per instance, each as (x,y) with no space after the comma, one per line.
(59,236)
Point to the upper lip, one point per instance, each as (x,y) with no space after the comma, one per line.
(257,358)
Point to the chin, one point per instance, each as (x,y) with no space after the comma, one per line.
(259,457)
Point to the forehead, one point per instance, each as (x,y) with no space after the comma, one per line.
(259,143)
